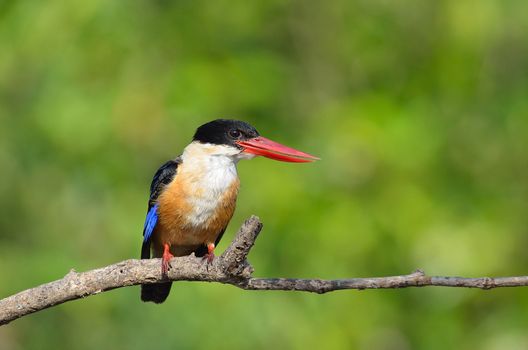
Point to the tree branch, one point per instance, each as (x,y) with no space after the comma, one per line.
(231,267)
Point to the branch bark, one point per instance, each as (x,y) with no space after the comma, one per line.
(231,267)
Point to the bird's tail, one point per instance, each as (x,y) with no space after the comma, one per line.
(157,292)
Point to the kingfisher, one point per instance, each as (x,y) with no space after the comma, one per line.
(193,197)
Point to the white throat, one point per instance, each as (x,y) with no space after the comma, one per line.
(219,154)
(210,171)
(215,163)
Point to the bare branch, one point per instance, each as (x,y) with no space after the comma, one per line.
(231,267)
(415,279)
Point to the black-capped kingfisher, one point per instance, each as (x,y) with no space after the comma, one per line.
(192,197)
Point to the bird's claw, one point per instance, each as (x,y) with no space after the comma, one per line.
(209,256)
(164,267)
(165,260)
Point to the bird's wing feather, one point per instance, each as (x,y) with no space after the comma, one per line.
(163,177)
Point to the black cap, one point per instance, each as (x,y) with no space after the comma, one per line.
(225,132)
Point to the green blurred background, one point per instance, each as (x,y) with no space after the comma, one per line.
(418,109)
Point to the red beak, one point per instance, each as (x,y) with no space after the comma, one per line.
(261,146)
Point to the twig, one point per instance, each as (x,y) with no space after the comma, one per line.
(231,267)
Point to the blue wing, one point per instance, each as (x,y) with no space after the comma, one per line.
(150,223)
(163,176)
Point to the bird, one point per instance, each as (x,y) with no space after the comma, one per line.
(193,197)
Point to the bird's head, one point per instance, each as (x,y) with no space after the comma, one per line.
(241,140)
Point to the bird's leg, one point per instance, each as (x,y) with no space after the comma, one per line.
(165,259)
(210,253)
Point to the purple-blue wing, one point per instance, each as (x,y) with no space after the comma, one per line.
(150,224)
(163,177)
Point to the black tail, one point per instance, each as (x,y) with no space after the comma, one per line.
(156,292)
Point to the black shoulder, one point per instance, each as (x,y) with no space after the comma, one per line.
(163,176)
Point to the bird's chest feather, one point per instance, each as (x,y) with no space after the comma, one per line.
(198,204)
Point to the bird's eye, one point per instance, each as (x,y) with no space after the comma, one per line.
(235,133)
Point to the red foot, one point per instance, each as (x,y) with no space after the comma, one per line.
(210,253)
(165,259)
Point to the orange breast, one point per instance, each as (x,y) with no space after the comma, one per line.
(190,217)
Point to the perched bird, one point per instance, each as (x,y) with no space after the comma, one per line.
(192,197)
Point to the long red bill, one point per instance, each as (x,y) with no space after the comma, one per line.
(262,146)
